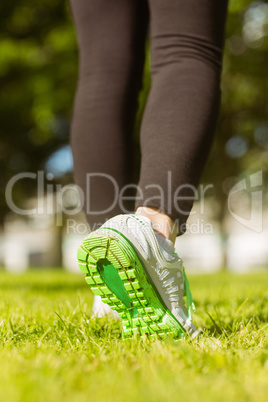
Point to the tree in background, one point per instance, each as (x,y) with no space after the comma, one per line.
(38,73)
(241,143)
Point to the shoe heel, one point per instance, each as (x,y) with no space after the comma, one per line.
(114,272)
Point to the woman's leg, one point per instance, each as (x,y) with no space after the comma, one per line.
(187,39)
(111,37)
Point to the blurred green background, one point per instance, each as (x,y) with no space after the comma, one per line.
(38,75)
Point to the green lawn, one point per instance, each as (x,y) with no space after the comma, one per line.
(51,350)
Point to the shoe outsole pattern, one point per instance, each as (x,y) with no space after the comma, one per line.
(114,272)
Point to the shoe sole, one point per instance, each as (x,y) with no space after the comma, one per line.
(114,272)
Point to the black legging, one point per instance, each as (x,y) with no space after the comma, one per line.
(186,38)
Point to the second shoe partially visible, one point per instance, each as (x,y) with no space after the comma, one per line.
(138,277)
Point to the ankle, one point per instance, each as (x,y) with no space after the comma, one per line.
(162,223)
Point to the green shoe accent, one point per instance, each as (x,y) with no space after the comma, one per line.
(114,271)
(112,279)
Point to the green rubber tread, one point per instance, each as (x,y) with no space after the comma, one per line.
(152,318)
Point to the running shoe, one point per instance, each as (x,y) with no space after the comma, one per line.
(138,277)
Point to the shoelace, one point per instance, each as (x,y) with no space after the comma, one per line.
(190,303)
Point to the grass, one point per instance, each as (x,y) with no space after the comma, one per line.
(52,350)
